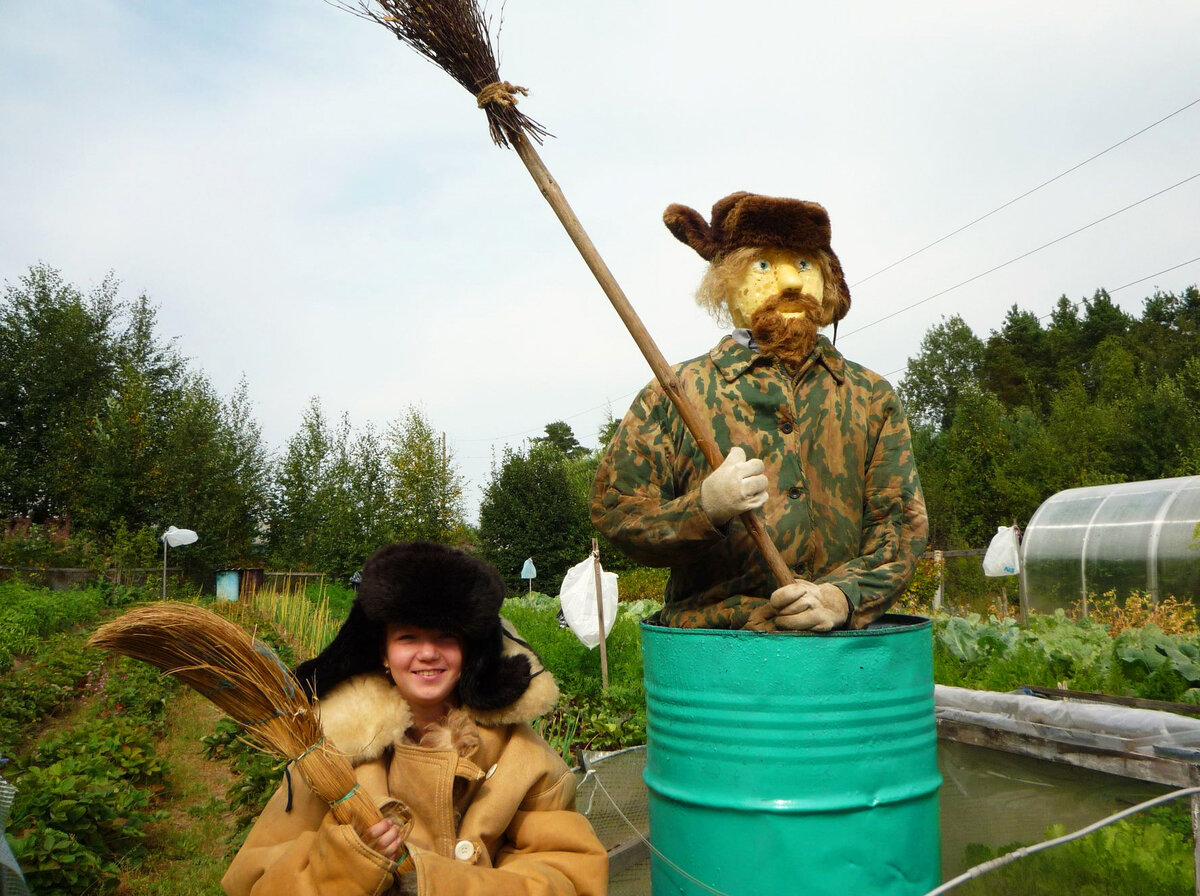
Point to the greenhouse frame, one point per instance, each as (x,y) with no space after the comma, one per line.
(1131,537)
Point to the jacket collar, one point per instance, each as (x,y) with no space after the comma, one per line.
(734,359)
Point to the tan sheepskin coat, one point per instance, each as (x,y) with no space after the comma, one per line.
(488,808)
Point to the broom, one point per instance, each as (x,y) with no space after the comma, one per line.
(454,35)
(245,679)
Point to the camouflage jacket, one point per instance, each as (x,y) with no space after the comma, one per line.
(845,504)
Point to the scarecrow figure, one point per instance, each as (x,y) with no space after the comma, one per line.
(816,442)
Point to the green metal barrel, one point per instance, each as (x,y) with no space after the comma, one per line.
(788,763)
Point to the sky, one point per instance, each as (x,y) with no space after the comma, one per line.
(317,209)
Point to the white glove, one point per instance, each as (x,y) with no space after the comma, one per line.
(734,487)
(806,606)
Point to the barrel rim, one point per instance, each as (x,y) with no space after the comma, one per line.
(887,624)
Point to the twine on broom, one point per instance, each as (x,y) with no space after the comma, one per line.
(244,678)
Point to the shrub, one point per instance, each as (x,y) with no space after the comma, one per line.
(643,583)
(86,795)
(1128,857)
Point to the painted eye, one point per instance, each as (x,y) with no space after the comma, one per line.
(803,265)
(762,265)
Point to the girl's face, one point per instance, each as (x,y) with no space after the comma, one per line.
(425,664)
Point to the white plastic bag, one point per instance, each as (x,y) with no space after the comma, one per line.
(578,598)
(1003,557)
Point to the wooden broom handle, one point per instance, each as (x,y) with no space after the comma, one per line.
(695,424)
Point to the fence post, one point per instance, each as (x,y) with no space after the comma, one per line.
(941,569)
(600,616)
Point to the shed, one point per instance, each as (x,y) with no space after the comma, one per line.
(1130,537)
(232,584)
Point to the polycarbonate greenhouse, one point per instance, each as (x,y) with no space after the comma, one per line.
(1135,536)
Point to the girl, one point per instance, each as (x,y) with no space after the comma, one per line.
(430,694)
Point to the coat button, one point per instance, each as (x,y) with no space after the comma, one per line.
(786,427)
(795,492)
(464,850)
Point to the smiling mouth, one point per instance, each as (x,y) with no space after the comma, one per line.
(429,673)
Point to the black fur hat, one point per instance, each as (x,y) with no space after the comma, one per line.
(430,586)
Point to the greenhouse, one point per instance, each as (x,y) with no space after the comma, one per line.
(1132,537)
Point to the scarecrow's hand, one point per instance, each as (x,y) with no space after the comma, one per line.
(805,606)
(734,487)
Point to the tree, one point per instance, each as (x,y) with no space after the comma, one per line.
(1015,363)
(560,435)
(59,361)
(948,362)
(427,489)
(530,509)
(296,511)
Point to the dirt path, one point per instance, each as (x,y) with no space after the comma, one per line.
(188,850)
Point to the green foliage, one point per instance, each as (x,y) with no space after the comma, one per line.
(103,424)
(28,615)
(257,775)
(530,509)
(643,583)
(588,717)
(998,655)
(562,437)
(1096,397)
(1127,858)
(426,488)
(337,496)
(86,794)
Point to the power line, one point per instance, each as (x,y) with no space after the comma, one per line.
(1026,193)
(1020,257)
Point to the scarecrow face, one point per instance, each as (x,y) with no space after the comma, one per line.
(777,274)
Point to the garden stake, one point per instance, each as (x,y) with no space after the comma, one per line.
(244,678)
(453,34)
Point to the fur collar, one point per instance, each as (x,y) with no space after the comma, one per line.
(365,714)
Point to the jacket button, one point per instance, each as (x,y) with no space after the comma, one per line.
(464,850)
(786,427)
(795,492)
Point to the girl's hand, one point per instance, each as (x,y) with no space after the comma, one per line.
(384,838)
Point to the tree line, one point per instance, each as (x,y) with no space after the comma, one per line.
(107,432)
(107,436)
(1090,396)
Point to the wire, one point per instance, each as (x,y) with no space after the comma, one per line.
(1023,195)
(1020,257)
(592,774)
(993,864)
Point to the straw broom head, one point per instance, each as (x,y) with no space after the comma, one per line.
(244,678)
(454,35)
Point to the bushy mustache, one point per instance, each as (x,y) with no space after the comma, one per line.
(788,338)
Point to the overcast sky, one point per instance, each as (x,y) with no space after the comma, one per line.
(314,206)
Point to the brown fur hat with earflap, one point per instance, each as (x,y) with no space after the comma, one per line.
(745,220)
(430,586)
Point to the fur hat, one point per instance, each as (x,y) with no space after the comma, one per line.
(430,586)
(745,220)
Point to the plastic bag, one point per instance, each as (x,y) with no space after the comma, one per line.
(578,598)
(1003,557)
